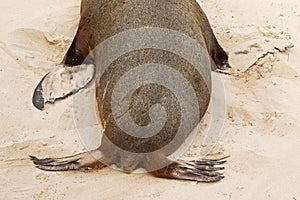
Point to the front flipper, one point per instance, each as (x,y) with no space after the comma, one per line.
(201,171)
(62,82)
(87,160)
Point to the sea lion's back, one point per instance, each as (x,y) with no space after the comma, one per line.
(163,74)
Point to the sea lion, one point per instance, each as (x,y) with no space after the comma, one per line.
(164,19)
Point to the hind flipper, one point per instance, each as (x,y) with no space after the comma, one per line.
(87,160)
(197,170)
(62,82)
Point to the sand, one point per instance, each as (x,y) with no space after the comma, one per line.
(261,127)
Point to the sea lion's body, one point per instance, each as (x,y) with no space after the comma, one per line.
(103,19)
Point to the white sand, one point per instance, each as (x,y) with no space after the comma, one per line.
(261,131)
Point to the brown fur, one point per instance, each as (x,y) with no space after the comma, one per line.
(102,19)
